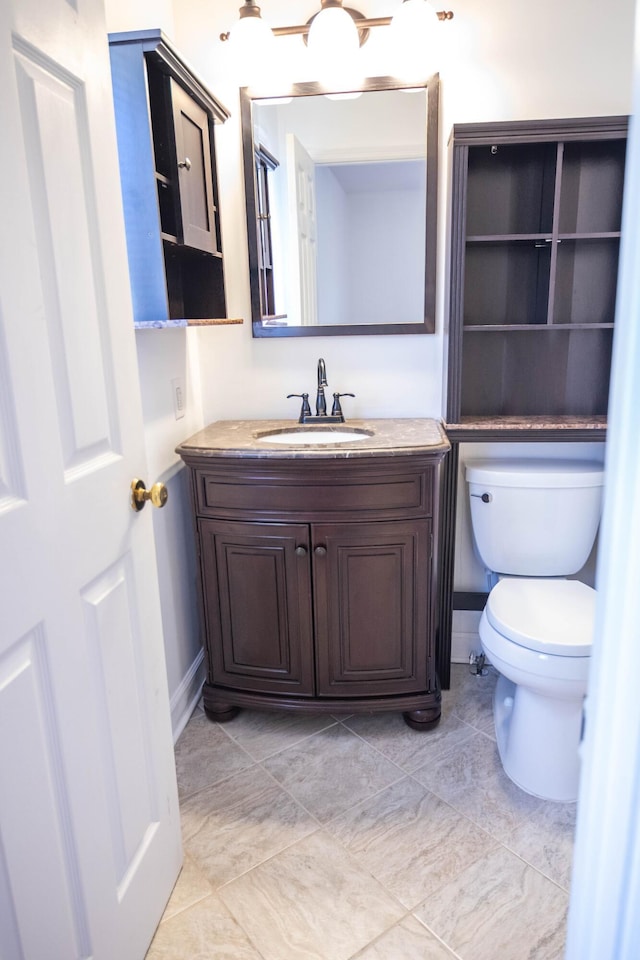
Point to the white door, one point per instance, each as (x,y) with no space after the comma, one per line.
(89,835)
(304,231)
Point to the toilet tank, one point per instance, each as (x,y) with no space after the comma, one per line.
(535,518)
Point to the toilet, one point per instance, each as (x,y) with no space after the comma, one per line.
(534,523)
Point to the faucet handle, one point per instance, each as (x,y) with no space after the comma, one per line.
(306,409)
(336,410)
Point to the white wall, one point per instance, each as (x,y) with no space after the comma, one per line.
(386,240)
(504,60)
(164,355)
(332,246)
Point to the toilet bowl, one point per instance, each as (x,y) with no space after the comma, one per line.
(537,633)
(534,524)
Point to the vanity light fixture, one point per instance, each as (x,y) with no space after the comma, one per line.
(335,31)
(250,29)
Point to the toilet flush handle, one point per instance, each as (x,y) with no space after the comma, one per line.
(485,497)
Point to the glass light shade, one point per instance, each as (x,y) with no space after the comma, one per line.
(253,45)
(414,36)
(334,45)
(333,33)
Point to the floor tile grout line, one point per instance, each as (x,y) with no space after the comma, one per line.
(357,864)
(318,826)
(454,954)
(294,743)
(378,751)
(383,933)
(188,906)
(496,839)
(539,870)
(402,774)
(378,882)
(216,783)
(492,836)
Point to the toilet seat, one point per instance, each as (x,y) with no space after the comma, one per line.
(554,617)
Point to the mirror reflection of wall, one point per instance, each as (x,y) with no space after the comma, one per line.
(371,245)
(347,209)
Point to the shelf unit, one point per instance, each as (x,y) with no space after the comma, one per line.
(165,120)
(536,212)
(534,245)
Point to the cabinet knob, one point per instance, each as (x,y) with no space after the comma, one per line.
(186,163)
(320,551)
(301,551)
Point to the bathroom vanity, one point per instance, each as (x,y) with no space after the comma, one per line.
(317,566)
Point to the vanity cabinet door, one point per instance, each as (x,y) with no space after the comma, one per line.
(372,610)
(257,600)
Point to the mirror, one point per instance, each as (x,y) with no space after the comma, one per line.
(341,200)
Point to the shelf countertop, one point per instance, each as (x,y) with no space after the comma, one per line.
(528,428)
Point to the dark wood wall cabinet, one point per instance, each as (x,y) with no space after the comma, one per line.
(318,583)
(536,211)
(165,121)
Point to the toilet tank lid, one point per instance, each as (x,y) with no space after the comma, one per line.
(535,473)
(549,616)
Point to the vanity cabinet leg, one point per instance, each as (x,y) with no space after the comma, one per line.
(215,709)
(422,720)
(222,713)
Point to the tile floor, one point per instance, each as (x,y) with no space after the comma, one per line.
(356,838)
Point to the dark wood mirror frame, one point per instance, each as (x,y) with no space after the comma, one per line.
(247,96)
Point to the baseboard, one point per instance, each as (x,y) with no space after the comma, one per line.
(185,698)
(465,638)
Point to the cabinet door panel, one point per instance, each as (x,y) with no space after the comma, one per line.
(258,605)
(193,148)
(371,607)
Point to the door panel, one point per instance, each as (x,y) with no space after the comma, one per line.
(89,824)
(114,638)
(40,797)
(371,608)
(56,141)
(258,605)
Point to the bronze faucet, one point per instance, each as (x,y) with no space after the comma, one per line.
(321,403)
(321,416)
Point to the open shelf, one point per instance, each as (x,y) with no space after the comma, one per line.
(536,218)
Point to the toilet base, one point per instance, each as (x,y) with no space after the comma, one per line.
(538,739)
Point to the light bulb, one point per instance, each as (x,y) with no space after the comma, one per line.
(334,45)
(414,37)
(253,45)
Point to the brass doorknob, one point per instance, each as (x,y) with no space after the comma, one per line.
(139,494)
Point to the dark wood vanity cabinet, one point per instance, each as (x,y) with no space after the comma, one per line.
(165,121)
(318,583)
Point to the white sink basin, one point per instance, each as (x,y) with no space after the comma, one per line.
(315,435)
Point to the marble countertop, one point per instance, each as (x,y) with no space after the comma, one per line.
(385,437)
(527,428)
